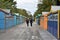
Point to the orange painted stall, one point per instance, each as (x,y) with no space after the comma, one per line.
(44,20)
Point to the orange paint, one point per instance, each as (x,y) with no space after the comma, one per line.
(41,22)
(45,22)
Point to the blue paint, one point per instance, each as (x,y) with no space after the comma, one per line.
(9,22)
(53,24)
(6,23)
(53,28)
(2,15)
(14,20)
(2,23)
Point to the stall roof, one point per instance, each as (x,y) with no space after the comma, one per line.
(4,11)
(45,13)
(55,8)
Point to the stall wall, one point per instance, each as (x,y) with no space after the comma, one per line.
(42,22)
(53,24)
(2,15)
(53,27)
(45,22)
(8,21)
(21,19)
(15,20)
(18,20)
(2,21)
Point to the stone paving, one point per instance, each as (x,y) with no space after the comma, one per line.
(22,32)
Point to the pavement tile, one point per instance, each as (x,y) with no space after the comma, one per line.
(22,32)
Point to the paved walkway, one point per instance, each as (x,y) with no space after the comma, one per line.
(22,32)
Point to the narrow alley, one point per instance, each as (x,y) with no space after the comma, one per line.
(22,32)
(29,19)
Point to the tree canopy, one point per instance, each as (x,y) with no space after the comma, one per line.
(46,6)
(6,4)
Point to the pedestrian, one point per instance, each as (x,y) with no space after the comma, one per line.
(31,21)
(27,21)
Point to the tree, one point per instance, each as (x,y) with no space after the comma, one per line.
(30,16)
(6,4)
(46,6)
(23,12)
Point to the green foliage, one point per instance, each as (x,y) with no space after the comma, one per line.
(30,16)
(23,12)
(6,4)
(46,6)
(37,12)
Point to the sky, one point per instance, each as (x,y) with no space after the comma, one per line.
(29,5)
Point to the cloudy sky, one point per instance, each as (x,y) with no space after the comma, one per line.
(29,5)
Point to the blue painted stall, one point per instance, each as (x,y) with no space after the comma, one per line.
(53,24)
(17,20)
(14,18)
(6,20)
(21,19)
(2,19)
(9,21)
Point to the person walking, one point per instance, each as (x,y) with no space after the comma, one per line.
(31,21)
(27,21)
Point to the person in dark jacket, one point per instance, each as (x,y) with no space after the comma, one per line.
(27,21)
(31,21)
